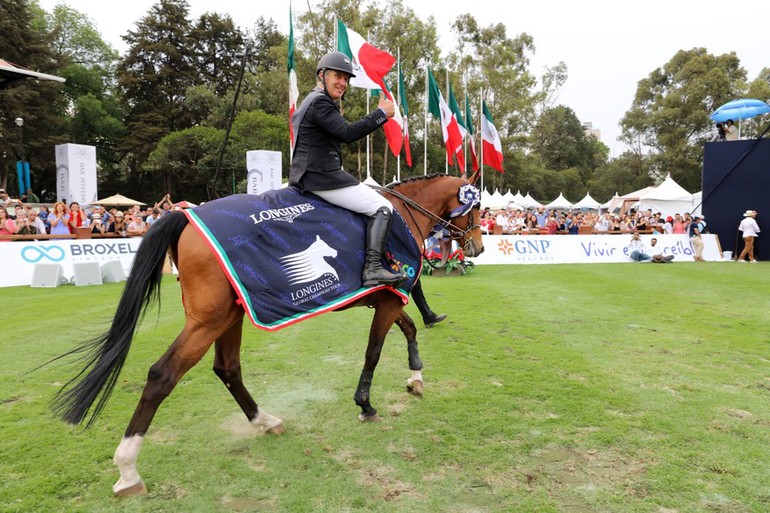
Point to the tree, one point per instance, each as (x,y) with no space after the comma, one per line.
(668,121)
(153,76)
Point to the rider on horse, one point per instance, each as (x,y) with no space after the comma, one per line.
(319,131)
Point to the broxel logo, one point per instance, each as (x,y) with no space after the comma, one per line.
(34,254)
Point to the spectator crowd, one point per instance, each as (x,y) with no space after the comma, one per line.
(20,217)
(542,221)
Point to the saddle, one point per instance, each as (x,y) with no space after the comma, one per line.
(291,255)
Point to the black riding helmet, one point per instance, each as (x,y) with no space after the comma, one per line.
(337,61)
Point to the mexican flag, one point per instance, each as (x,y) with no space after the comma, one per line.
(439,108)
(402,99)
(457,115)
(293,90)
(370,65)
(490,141)
(469,126)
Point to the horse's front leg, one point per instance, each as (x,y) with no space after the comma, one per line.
(414,384)
(387,308)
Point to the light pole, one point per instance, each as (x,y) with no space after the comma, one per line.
(22,168)
(20,123)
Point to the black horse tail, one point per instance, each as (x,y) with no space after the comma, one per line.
(106,354)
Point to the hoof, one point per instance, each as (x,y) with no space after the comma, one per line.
(369,418)
(135,489)
(275,430)
(415,388)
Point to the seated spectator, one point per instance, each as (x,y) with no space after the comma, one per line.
(678,225)
(501,220)
(77,217)
(615,224)
(96,224)
(552,225)
(154,216)
(7,225)
(657,253)
(59,219)
(627,224)
(120,225)
(518,221)
(487,222)
(136,227)
(604,223)
(164,206)
(637,250)
(34,220)
(668,226)
(23,226)
(43,216)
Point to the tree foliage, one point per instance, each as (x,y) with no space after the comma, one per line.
(668,121)
(159,113)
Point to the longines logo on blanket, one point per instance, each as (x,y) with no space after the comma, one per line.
(310,266)
(287,214)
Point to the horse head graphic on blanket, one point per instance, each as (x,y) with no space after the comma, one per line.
(309,265)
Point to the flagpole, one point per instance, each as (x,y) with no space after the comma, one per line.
(481,124)
(446,159)
(368,97)
(465,141)
(398,106)
(425,132)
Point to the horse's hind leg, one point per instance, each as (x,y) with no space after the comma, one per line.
(227,365)
(187,350)
(414,384)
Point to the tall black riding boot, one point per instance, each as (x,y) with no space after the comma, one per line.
(376,236)
(428,316)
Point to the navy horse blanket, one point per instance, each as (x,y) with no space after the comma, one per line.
(291,256)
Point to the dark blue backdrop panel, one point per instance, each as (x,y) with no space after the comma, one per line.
(736,178)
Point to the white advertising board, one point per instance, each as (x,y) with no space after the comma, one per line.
(584,249)
(18,259)
(76,173)
(263,169)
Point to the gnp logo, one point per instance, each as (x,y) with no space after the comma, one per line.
(34,254)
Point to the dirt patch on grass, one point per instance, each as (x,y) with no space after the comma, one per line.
(573,476)
(248,504)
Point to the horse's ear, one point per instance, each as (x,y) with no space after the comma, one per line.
(474,178)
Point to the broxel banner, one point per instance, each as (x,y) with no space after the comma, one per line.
(18,259)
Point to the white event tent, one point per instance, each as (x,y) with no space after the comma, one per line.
(588,203)
(530,202)
(560,203)
(668,198)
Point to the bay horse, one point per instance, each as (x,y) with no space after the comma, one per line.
(213,317)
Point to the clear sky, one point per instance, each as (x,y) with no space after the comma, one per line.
(608,46)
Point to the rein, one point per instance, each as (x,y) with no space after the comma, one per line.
(455,232)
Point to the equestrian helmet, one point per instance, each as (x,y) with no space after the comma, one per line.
(337,61)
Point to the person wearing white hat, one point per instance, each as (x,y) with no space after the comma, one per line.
(694,231)
(96,223)
(750,230)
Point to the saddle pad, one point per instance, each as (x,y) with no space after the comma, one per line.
(291,256)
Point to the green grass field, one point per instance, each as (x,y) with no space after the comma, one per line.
(555,388)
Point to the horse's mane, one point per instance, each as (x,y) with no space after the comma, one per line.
(411,179)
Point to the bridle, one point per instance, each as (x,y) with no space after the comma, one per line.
(464,237)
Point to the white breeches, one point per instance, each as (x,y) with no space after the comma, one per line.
(358,198)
